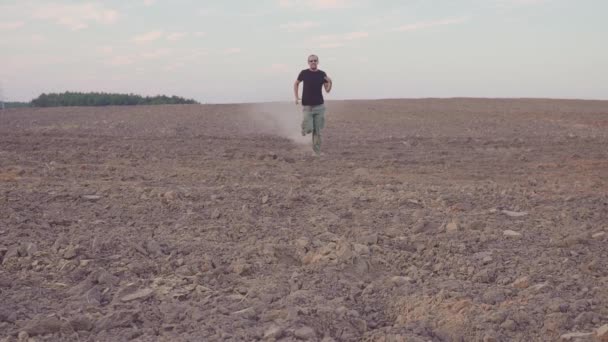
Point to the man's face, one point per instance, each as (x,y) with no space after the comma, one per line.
(313,61)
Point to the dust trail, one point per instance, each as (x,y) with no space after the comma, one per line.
(280,119)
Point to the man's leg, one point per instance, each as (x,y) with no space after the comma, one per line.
(318,125)
(307,120)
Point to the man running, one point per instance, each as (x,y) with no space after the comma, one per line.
(313,107)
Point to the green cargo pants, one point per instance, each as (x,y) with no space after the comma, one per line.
(313,122)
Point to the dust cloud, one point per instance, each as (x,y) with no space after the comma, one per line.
(279,119)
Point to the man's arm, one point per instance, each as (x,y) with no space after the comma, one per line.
(327,85)
(296,90)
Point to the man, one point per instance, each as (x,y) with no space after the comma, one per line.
(313,107)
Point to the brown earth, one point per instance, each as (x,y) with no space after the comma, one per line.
(425,220)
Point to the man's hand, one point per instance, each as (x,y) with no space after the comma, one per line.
(328,84)
(296,93)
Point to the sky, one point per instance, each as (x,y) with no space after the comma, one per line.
(252,51)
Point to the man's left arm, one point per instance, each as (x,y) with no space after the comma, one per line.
(327,84)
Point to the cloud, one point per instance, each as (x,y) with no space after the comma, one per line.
(160,34)
(299,26)
(184,59)
(11,25)
(339,40)
(356,35)
(331,45)
(511,3)
(174,66)
(158,53)
(345,36)
(106,50)
(193,55)
(176,36)
(75,16)
(38,38)
(276,68)
(316,4)
(429,24)
(120,61)
(206,12)
(148,36)
(233,51)
(129,59)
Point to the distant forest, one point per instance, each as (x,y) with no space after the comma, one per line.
(104,99)
(16,104)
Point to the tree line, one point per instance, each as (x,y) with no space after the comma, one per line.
(16,104)
(104,99)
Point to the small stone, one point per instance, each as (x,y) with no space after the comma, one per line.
(241,268)
(361,172)
(490,337)
(575,336)
(461,305)
(511,233)
(274,331)
(514,213)
(509,325)
(369,239)
(302,243)
(452,226)
(539,286)
(106,278)
(94,296)
(556,322)
(360,324)
(599,235)
(153,248)
(585,318)
(522,283)
(248,313)
(170,195)
(91,198)
(400,280)
(23,336)
(81,324)
(140,294)
(485,276)
(486,260)
(305,333)
(31,248)
(47,325)
(264,199)
(70,253)
(497,317)
(601,334)
(361,249)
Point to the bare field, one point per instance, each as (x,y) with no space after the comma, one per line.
(425,220)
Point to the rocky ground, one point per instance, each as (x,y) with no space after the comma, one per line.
(425,220)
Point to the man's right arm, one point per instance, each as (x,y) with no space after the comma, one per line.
(296,90)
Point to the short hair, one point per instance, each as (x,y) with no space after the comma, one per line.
(313,56)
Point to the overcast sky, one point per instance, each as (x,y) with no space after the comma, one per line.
(250,51)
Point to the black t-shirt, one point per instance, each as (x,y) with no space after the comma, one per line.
(313,83)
